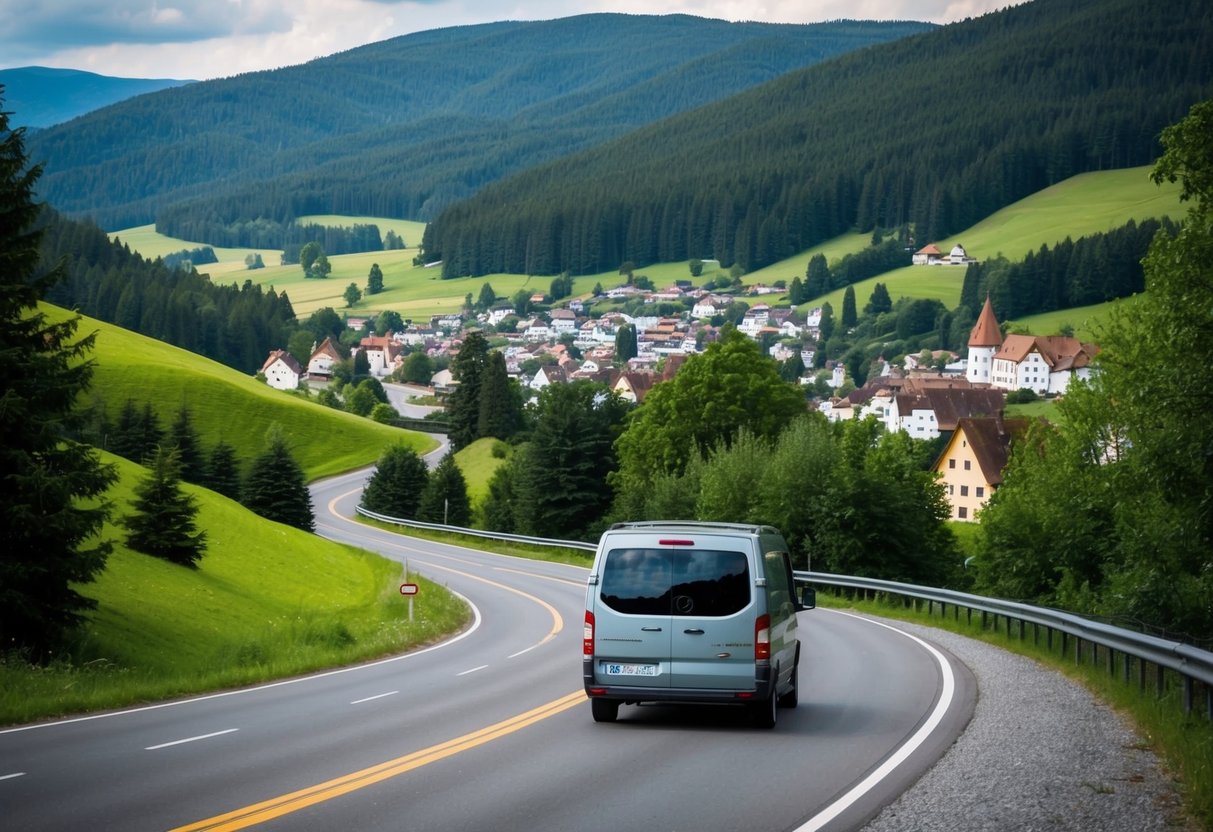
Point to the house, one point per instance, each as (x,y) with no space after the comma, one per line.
(281,370)
(382,352)
(1044,364)
(971,464)
(632,386)
(926,412)
(984,340)
(959,257)
(320,365)
(928,255)
(536,330)
(563,320)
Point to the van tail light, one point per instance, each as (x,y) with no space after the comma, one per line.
(762,638)
(587,637)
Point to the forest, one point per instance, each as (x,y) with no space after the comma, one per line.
(934,132)
(403,127)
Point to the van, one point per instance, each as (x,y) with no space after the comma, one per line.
(690,612)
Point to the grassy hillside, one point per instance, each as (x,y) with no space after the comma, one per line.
(229,406)
(266,601)
(477,464)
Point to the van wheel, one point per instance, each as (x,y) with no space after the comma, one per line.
(789,699)
(604,710)
(764,713)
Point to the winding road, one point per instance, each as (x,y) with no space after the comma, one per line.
(490,730)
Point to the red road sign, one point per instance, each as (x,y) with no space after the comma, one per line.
(408,589)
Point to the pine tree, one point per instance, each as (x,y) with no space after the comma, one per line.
(396,487)
(223,471)
(463,407)
(275,488)
(374,280)
(184,438)
(49,494)
(849,317)
(500,408)
(445,499)
(163,522)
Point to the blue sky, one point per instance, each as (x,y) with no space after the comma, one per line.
(201,39)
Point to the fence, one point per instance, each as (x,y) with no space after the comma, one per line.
(1120,646)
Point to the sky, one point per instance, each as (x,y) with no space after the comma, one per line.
(203,39)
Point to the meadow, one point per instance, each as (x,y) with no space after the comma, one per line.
(1085,204)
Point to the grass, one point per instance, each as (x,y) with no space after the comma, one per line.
(552,554)
(229,406)
(477,463)
(1183,742)
(268,601)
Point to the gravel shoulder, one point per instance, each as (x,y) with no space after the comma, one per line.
(1040,753)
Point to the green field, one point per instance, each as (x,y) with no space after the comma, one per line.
(229,406)
(1085,204)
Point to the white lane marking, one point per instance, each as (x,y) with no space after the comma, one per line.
(11,776)
(905,750)
(475,626)
(526,650)
(473,670)
(376,696)
(191,739)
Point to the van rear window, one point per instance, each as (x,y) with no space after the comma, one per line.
(686,582)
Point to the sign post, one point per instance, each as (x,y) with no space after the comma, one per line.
(409,590)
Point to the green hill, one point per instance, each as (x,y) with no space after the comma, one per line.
(232,407)
(266,601)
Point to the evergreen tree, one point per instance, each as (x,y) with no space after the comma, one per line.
(817,277)
(223,471)
(626,347)
(486,298)
(275,488)
(50,493)
(500,406)
(463,406)
(184,438)
(396,487)
(163,522)
(879,302)
(849,316)
(374,280)
(499,510)
(445,498)
(796,292)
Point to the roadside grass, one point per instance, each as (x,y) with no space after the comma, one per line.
(266,602)
(227,405)
(1183,742)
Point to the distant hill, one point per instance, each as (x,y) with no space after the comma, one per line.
(404,127)
(40,96)
(936,131)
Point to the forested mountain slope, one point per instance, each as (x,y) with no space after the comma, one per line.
(937,131)
(402,127)
(40,96)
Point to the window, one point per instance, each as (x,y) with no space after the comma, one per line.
(981,492)
(964,491)
(675,582)
(962,513)
(951,463)
(968,464)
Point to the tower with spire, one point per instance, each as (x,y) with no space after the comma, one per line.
(984,341)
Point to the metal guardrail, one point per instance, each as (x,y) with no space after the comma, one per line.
(1192,664)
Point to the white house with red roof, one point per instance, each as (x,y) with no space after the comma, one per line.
(281,370)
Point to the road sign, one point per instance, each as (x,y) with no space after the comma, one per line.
(408,589)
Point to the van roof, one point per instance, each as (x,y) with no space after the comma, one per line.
(655,525)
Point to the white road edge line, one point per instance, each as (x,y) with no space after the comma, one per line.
(472,670)
(240,691)
(11,776)
(904,751)
(376,696)
(191,739)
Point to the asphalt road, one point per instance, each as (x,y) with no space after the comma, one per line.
(490,731)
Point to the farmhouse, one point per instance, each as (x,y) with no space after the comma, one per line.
(320,365)
(281,370)
(971,465)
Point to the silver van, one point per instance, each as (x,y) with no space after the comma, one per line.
(690,612)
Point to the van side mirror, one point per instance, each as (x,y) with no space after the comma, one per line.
(808,598)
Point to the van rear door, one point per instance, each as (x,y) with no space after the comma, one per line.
(632,621)
(712,615)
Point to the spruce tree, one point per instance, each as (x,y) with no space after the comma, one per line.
(445,499)
(275,488)
(223,471)
(184,437)
(163,522)
(500,408)
(49,494)
(396,486)
(463,406)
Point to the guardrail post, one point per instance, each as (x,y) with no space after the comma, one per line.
(1188,695)
(1077,650)
(1159,679)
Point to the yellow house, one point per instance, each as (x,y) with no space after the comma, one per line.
(971,464)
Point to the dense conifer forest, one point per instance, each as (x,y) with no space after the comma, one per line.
(403,127)
(934,132)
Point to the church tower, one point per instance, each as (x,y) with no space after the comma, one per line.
(984,341)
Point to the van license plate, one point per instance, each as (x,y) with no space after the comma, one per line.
(628,669)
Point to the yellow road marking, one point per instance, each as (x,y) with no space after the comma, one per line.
(277,807)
